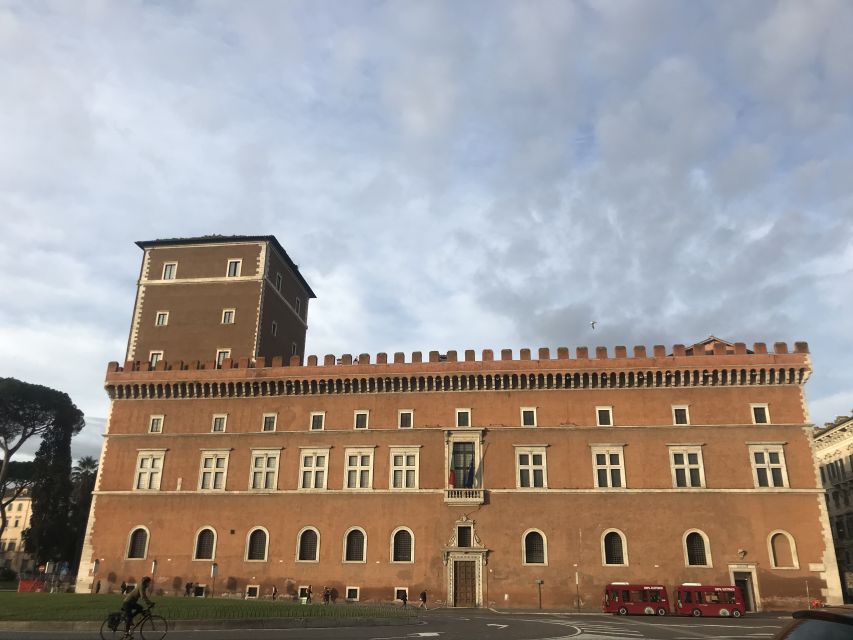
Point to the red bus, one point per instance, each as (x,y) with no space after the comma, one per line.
(641,599)
(709,600)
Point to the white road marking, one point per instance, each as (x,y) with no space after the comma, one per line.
(499,626)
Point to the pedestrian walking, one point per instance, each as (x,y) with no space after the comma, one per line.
(308,595)
(423,604)
(188,589)
(98,587)
(327,595)
(405,598)
(274,592)
(123,587)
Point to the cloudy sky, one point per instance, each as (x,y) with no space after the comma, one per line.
(447,175)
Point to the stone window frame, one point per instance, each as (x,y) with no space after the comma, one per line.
(238,267)
(198,532)
(410,413)
(358,468)
(364,549)
(313,452)
(139,471)
(686,409)
(222,354)
(792,545)
(170,270)
(686,449)
(213,422)
(624,540)
(356,414)
(531,450)
(144,556)
(767,448)
(760,405)
(405,468)
(257,589)
(214,455)
(155,356)
(411,548)
(266,454)
(266,544)
(316,531)
(317,414)
(154,418)
(709,563)
(608,466)
(158,315)
(264,418)
(535,417)
(397,591)
(609,410)
(228,319)
(524,559)
(462,411)
(347,591)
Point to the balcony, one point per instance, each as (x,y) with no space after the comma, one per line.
(464,496)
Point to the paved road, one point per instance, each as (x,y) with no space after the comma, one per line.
(478,624)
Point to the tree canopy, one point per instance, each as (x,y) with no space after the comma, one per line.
(32,411)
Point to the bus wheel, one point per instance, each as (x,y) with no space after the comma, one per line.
(623,611)
(661,611)
(736,613)
(696,613)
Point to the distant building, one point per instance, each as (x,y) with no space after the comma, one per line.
(12,554)
(231,459)
(834,452)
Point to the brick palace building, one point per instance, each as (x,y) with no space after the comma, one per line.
(232,461)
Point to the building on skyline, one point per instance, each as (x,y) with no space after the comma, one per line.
(834,452)
(477,479)
(12,553)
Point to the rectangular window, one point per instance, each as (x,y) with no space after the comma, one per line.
(170,270)
(768,465)
(608,467)
(278,281)
(404,468)
(268,423)
(234,268)
(155,424)
(686,465)
(149,468)
(463,417)
(360,419)
(154,357)
(359,469)
(298,306)
(293,349)
(680,414)
(463,472)
(221,356)
(264,469)
(530,466)
(463,535)
(528,416)
(318,420)
(401,593)
(604,416)
(312,468)
(405,419)
(252,591)
(352,594)
(274,328)
(220,421)
(228,316)
(161,319)
(214,467)
(760,414)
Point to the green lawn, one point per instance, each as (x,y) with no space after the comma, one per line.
(70,606)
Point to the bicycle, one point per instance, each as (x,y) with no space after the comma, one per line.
(150,626)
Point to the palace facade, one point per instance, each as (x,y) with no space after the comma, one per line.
(232,461)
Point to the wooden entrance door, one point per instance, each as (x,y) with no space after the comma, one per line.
(464,583)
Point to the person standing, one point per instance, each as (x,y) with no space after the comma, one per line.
(423,604)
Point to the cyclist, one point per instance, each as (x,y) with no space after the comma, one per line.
(131,606)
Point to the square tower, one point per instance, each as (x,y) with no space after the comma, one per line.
(216,297)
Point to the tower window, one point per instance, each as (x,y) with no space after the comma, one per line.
(234,267)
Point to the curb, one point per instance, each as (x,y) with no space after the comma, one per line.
(210,625)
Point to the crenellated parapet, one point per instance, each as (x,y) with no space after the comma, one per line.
(718,364)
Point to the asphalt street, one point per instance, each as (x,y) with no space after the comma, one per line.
(476,624)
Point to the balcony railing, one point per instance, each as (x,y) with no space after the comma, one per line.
(463,496)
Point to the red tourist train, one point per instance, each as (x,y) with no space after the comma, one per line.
(691,600)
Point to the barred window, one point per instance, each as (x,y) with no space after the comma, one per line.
(613,552)
(308,546)
(534,548)
(257,547)
(138,543)
(402,546)
(696,555)
(204,545)
(355,546)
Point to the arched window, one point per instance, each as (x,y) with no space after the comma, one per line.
(403,546)
(309,545)
(205,542)
(354,550)
(613,548)
(256,545)
(137,546)
(534,548)
(696,549)
(783,550)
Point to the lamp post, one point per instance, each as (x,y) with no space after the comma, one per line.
(539,588)
(214,570)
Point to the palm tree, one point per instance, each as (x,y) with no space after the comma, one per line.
(86,469)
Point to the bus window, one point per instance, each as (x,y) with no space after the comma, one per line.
(714,598)
(700,597)
(615,595)
(654,596)
(688,597)
(626,596)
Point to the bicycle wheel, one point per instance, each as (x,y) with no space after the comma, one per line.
(108,633)
(154,628)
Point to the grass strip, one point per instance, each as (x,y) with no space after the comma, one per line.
(70,606)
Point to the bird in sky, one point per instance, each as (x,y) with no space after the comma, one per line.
(592,324)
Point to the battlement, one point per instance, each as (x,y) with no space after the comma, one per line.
(721,354)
